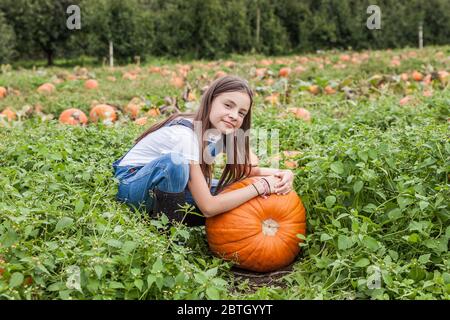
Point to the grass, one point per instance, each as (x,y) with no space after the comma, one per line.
(373,176)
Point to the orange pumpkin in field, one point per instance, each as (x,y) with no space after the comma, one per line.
(261,234)
(284,72)
(46,88)
(2,92)
(141,121)
(73,116)
(91,84)
(417,76)
(9,114)
(104,113)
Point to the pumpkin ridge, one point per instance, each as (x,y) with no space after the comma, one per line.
(235,251)
(257,210)
(238,239)
(284,241)
(255,250)
(287,205)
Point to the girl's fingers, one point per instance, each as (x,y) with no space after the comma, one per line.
(283,190)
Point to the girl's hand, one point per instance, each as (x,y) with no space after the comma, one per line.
(272,180)
(286,184)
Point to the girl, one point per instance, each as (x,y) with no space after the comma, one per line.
(170,164)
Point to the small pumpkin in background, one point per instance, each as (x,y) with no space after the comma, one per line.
(329,90)
(103,112)
(154,112)
(9,114)
(417,76)
(301,113)
(134,107)
(3,92)
(91,84)
(314,89)
(46,88)
(73,117)
(142,121)
(220,74)
(284,72)
(261,234)
(177,82)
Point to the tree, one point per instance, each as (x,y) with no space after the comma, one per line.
(39,24)
(7,40)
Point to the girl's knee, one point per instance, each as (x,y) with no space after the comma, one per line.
(177,167)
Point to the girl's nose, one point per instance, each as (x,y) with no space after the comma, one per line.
(233,115)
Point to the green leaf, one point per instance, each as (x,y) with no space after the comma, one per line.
(344,242)
(158,266)
(395,214)
(114,243)
(211,272)
(370,243)
(63,223)
(358,186)
(150,280)
(325,237)
(363,155)
(129,246)
(9,238)
(200,278)
(423,204)
(361,263)
(212,293)
(393,254)
(116,285)
(413,238)
(337,167)
(423,259)
(139,284)
(79,205)
(16,279)
(330,201)
(403,202)
(98,271)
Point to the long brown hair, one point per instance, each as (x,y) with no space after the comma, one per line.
(232,171)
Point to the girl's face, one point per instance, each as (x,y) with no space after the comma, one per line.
(229,110)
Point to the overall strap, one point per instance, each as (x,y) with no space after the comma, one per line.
(182,122)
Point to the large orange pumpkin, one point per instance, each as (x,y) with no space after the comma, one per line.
(261,234)
(73,116)
(103,112)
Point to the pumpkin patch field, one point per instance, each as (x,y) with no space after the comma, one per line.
(365,133)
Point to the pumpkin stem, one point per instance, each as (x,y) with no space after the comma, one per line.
(270,227)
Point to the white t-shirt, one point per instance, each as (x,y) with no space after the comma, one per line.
(176,138)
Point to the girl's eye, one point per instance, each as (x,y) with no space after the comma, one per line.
(227,105)
(242,114)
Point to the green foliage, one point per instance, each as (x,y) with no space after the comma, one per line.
(213,29)
(7,40)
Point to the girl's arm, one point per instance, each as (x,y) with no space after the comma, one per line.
(211,205)
(258,171)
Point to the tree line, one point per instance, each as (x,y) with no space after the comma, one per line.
(33,29)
